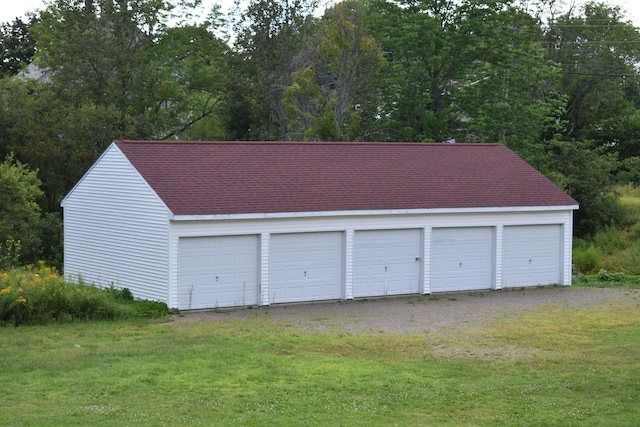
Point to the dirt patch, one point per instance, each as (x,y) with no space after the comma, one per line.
(415,314)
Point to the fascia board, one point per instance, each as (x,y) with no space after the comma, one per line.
(224,217)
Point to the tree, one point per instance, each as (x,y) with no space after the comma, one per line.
(434,45)
(588,176)
(326,96)
(270,36)
(19,213)
(52,134)
(99,52)
(120,55)
(509,95)
(352,57)
(598,51)
(17,47)
(199,64)
(304,106)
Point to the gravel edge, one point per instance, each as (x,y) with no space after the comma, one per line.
(415,314)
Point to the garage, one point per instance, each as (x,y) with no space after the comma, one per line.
(306,267)
(532,255)
(206,224)
(461,259)
(387,262)
(217,272)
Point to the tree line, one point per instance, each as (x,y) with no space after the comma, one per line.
(560,89)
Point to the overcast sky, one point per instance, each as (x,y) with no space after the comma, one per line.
(11,9)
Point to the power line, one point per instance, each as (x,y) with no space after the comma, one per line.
(622,76)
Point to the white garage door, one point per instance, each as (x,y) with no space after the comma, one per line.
(217,272)
(532,255)
(386,262)
(306,267)
(461,259)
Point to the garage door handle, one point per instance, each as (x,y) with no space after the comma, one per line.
(418,259)
(305,273)
(460,265)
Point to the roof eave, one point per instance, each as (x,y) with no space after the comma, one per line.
(272,215)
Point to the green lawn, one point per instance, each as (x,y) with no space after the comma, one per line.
(550,366)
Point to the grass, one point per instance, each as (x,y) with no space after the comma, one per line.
(550,366)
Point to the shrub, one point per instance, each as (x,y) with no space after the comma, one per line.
(40,295)
(10,251)
(609,240)
(19,213)
(586,259)
(606,276)
(627,261)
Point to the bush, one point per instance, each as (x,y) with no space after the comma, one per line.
(609,240)
(588,176)
(586,259)
(606,276)
(19,213)
(40,295)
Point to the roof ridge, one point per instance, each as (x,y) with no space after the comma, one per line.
(309,143)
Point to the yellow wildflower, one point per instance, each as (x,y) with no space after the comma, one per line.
(21,300)
(5,291)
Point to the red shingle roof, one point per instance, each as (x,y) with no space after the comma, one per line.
(207,178)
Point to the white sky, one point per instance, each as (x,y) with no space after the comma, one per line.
(11,9)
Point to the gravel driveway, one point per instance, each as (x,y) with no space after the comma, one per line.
(413,314)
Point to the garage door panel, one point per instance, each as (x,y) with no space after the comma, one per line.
(306,267)
(376,251)
(387,262)
(461,259)
(226,259)
(296,256)
(217,271)
(532,255)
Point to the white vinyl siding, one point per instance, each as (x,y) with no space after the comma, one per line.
(306,267)
(387,262)
(217,272)
(532,255)
(461,259)
(116,230)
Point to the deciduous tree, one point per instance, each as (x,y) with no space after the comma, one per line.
(270,35)
(19,213)
(599,52)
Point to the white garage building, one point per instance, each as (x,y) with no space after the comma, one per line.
(222,224)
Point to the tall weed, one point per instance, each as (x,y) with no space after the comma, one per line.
(586,259)
(614,248)
(40,295)
(609,240)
